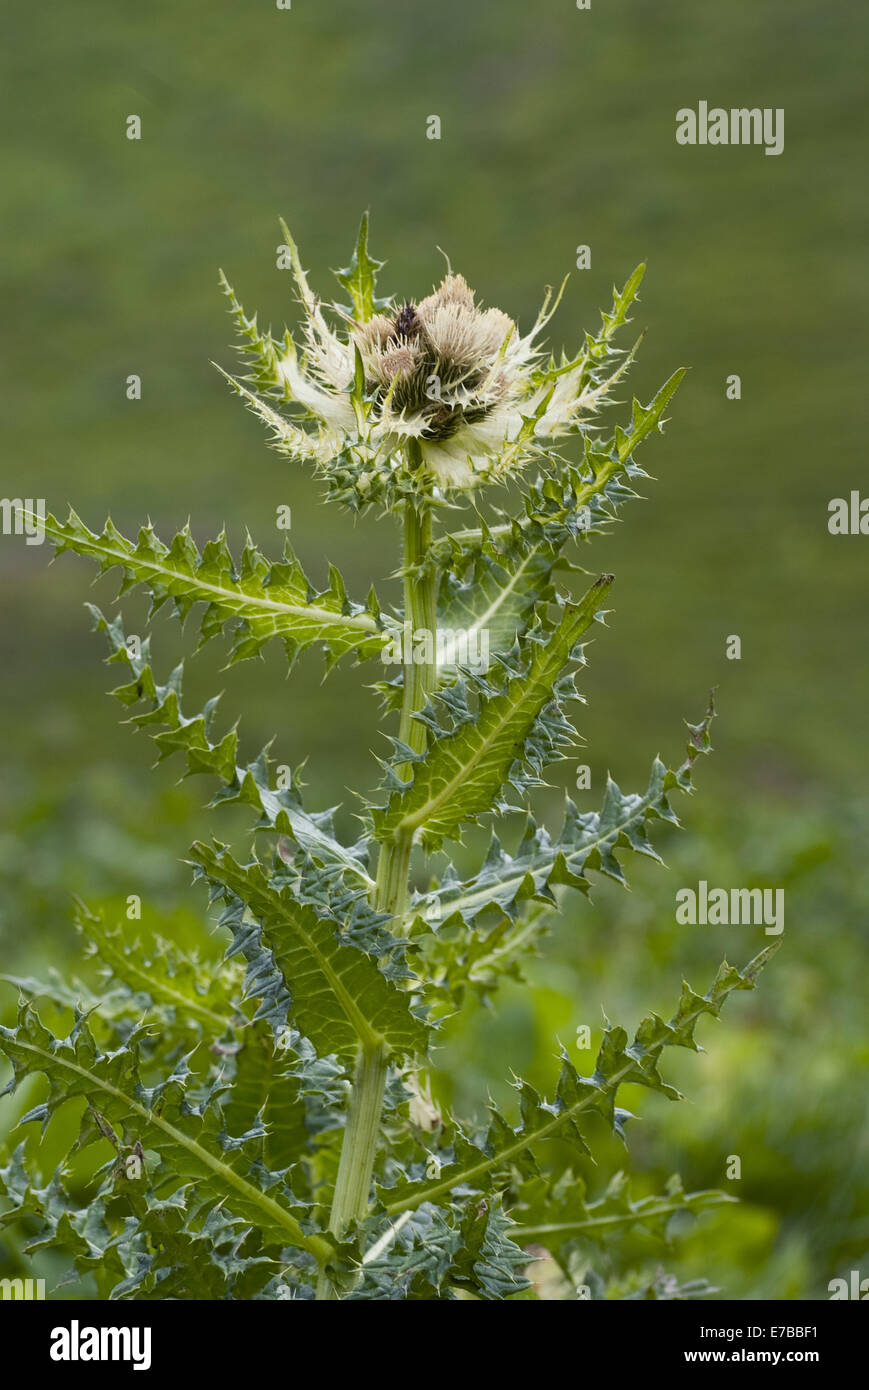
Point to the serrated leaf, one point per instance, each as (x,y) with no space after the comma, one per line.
(340,996)
(567,501)
(189,1139)
(590,840)
(261,598)
(163,974)
(260,351)
(359,278)
(263,1089)
(464,770)
(552,1215)
(440,1251)
(475,1166)
(496,598)
(280,809)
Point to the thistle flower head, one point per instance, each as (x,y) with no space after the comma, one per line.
(436,392)
(434,371)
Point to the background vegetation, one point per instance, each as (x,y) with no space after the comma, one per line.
(558,129)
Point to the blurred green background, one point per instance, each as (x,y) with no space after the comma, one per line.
(557,129)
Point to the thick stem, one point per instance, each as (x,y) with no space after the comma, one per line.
(392,870)
(353,1185)
(360,1141)
(350,1202)
(420,610)
(420,678)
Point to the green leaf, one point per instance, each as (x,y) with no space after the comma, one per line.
(553,1215)
(460,777)
(567,501)
(264,1089)
(360,276)
(590,840)
(440,1251)
(280,809)
(188,1249)
(262,599)
(114,1003)
(176,1246)
(189,1138)
(193,989)
(340,996)
(477,1166)
(598,348)
(260,352)
(646,418)
(496,596)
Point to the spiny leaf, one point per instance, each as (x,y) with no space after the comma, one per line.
(164,975)
(566,501)
(260,351)
(495,597)
(360,276)
(82,1231)
(280,810)
(135,1244)
(263,1090)
(598,348)
(465,768)
(587,841)
(286,436)
(261,598)
(571,496)
(112,1003)
(340,996)
(188,1249)
(459,958)
(475,1166)
(552,1215)
(189,1138)
(440,1251)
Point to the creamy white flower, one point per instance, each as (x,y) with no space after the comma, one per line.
(444,383)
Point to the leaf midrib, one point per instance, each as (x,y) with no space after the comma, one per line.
(237,596)
(514,696)
(661,1208)
(316,1245)
(506,592)
(367,1034)
(524,1140)
(519,870)
(153,985)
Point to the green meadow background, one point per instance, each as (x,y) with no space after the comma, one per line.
(557,130)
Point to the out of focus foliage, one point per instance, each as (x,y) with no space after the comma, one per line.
(782,1091)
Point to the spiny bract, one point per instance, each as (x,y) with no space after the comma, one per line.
(438,384)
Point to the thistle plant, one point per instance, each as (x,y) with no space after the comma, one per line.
(269,1126)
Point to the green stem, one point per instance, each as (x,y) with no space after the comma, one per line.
(353,1185)
(351,1190)
(420,609)
(420,678)
(350,1202)
(390,893)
